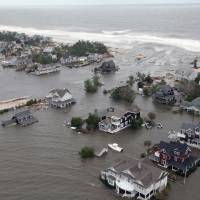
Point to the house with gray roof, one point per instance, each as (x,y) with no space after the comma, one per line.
(60,98)
(107,67)
(186,74)
(135,178)
(24,118)
(192,107)
(164,95)
(189,134)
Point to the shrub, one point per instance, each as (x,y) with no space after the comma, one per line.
(31,102)
(87,152)
(76,122)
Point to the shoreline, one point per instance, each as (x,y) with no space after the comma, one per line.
(111,38)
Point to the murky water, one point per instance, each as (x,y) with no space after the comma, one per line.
(42,162)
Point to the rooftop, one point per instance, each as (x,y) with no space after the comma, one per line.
(139,170)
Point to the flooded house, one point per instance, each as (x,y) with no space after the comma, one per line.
(46,69)
(60,98)
(107,67)
(24,118)
(164,95)
(134,178)
(189,133)
(9,62)
(191,107)
(114,120)
(188,74)
(175,156)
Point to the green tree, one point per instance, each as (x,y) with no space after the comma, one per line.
(135,124)
(82,48)
(124,93)
(89,86)
(92,121)
(131,80)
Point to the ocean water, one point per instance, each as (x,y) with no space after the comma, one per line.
(41,162)
(116,25)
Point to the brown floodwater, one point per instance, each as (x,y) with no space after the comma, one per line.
(42,161)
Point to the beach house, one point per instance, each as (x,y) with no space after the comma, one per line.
(135,178)
(60,98)
(24,118)
(115,120)
(174,156)
(164,95)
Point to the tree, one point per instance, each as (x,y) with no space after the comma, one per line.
(96,81)
(92,121)
(135,124)
(131,80)
(141,76)
(91,85)
(82,48)
(77,122)
(148,79)
(124,93)
(87,152)
(42,59)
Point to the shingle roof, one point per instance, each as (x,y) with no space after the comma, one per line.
(170,147)
(23,114)
(60,92)
(139,171)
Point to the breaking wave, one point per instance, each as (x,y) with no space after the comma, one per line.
(119,38)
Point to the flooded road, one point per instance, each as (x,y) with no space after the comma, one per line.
(41,162)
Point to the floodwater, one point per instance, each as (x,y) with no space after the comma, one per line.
(42,161)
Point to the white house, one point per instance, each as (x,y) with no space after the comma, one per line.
(133,178)
(60,98)
(114,121)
